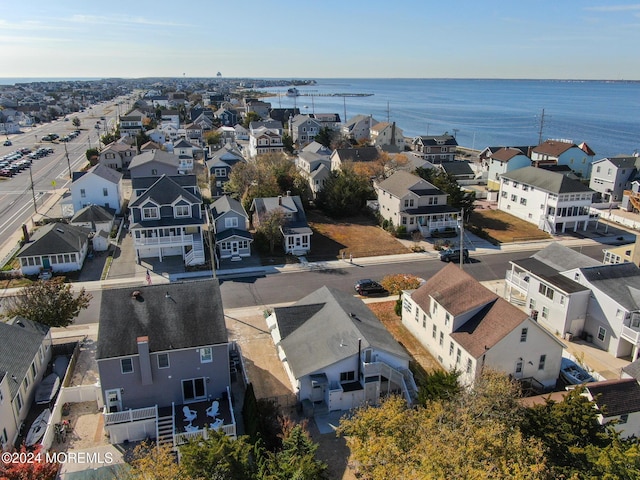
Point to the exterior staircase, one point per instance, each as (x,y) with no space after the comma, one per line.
(165,431)
(196,255)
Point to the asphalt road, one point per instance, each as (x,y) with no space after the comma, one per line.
(50,172)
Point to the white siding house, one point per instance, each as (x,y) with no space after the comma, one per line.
(100,185)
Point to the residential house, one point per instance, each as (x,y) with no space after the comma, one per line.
(631,197)
(100,185)
(268,123)
(25,352)
(163,350)
(328,120)
(156,136)
(387,136)
(460,170)
(150,145)
(264,140)
(227,117)
(503,160)
(564,152)
(315,168)
(337,354)
(185,152)
(259,107)
(242,133)
(618,404)
(436,148)
(342,156)
(611,176)
(230,226)
(552,201)
(95,219)
(131,124)
(227,135)
(296,233)
(170,117)
(283,114)
(158,100)
(170,131)
(117,155)
(629,252)
(167,219)
(154,163)
(303,129)
(194,133)
(219,167)
(358,128)
(410,201)
(468,328)
(315,147)
(8,123)
(545,284)
(57,247)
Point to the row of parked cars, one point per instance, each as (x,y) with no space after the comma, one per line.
(19,160)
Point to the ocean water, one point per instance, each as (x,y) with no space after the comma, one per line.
(481,113)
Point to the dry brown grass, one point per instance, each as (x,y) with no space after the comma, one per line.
(506,228)
(386,314)
(359,237)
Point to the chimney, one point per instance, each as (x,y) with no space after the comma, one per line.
(145,360)
(288,193)
(279,199)
(25,233)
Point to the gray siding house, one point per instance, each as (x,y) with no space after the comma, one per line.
(163,350)
(230,226)
(296,233)
(154,163)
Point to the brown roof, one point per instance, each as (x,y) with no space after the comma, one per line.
(505,154)
(487,327)
(554,148)
(586,149)
(556,397)
(454,289)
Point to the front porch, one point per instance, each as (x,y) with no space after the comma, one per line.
(160,243)
(429,222)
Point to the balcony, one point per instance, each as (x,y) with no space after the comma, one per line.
(630,335)
(163,241)
(518,281)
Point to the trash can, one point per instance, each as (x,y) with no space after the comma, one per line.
(568,336)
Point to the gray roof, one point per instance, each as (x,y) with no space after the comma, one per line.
(190,316)
(164,192)
(621,161)
(102,171)
(616,397)
(93,213)
(546,180)
(227,204)
(549,275)
(233,232)
(182,143)
(145,182)
(457,167)
(55,238)
(159,156)
(20,340)
(363,154)
(633,369)
(436,140)
(401,182)
(620,282)
(315,147)
(324,327)
(564,258)
(289,204)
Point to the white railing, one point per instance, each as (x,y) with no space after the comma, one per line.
(168,240)
(131,415)
(517,281)
(631,335)
(442,224)
(381,368)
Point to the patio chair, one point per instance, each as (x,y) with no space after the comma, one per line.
(189,415)
(214,409)
(217,424)
(191,428)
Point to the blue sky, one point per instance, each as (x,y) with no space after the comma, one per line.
(321,39)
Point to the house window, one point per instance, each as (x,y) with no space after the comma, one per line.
(602,333)
(523,334)
(33,369)
(619,314)
(194,389)
(18,403)
(181,211)
(441,338)
(25,383)
(149,213)
(83,194)
(504,194)
(523,201)
(347,376)
(220,172)
(562,299)
(105,192)
(532,303)
(623,418)
(126,365)
(458,356)
(514,198)
(231,222)
(435,330)
(447,318)
(424,320)
(417,315)
(450,349)
(206,355)
(435,307)
(469,365)
(545,312)
(163,360)
(541,362)
(546,291)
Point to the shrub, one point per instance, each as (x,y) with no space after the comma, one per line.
(385,224)
(394,284)
(401,231)
(398,306)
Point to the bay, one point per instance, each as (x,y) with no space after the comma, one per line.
(483,112)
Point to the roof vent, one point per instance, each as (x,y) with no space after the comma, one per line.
(59,230)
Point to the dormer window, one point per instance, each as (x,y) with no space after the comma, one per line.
(181,211)
(150,213)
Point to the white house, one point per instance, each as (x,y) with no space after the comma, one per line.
(552,201)
(315,168)
(502,161)
(337,354)
(611,176)
(185,152)
(617,401)
(410,201)
(264,140)
(387,136)
(467,327)
(358,128)
(100,185)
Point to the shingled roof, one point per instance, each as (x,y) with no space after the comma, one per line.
(55,238)
(546,180)
(616,397)
(401,182)
(173,316)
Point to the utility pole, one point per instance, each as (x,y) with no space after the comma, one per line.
(67,155)
(388,113)
(541,127)
(344,103)
(461,239)
(33,193)
(211,248)
(455,132)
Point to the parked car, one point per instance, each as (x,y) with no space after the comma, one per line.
(366,286)
(46,138)
(453,255)
(7,143)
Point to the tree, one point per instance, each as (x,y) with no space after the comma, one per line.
(270,226)
(250,117)
(213,137)
(439,385)
(287,142)
(38,469)
(296,459)
(457,197)
(92,153)
(49,302)
(109,137)
(75,122)
(345,193)
(325,136)
(157,462)
(395,284)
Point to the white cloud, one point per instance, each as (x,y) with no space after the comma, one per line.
(124,20)
(614,8)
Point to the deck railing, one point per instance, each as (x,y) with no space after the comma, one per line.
(131,415)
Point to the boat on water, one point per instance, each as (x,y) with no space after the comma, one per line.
(293,92)
(38,427)
(573,373)
(46,391)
